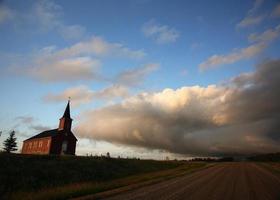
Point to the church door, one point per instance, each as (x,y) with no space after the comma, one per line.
(64,147)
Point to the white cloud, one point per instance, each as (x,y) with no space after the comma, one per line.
(156,119)
(251,17)
(276,11)
(25,119)
(80,61)
(79,95)
(250,21)
(261,41)
(135,76)
(99,47)
(77,62)
(237,55)
(6,14)
(72,31)
(114,91)
(162,34)
(267,36)
(82,94)
(43,16)
(256,6)
(48,16)
(212,120)
(72,69)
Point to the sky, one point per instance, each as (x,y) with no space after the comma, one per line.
(147,78)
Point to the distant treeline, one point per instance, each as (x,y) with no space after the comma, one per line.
(224,159)
(271,157)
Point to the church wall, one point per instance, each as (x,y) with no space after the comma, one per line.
(37,146)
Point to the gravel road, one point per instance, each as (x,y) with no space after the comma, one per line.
(225,181)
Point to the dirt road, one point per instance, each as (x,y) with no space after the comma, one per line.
(225,181)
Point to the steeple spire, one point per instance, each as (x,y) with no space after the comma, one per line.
(67,110)
(65,121)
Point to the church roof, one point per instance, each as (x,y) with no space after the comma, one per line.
(67,111)
(48,133)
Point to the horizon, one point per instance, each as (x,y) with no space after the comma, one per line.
(147,79)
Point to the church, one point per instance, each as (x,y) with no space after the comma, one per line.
(59,141)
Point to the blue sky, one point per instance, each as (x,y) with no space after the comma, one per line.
(104,53)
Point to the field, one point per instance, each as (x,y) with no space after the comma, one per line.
(54,177)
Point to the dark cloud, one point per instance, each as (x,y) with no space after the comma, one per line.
(257,96)
(240,118)
(39,127)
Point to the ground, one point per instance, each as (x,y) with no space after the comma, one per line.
(83,178)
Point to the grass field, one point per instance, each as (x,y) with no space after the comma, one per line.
(54,177)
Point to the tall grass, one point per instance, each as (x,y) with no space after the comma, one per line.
(100,190)
(32,173)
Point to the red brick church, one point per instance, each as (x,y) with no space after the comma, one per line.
(57,141)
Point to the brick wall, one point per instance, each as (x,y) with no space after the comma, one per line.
(37,146)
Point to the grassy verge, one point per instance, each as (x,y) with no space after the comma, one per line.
(96,189)
(22,173)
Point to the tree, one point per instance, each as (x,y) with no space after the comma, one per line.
(10,143)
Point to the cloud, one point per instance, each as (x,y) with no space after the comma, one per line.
(236,55)
(162,34)
(133,77)
(80,61)
(72,31)
(30,122)
(256,6)
(82,94)
(97,46)
(250,21)
(114,91)
(47,15)
(276,11)
(72,69)
(261,41)
(214,120)
(39,128)
(43,16)
(77,62)
(6,14)
(267,36)
(118,90)
(251,18)
(25,119)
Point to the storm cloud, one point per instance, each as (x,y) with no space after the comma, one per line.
(240,117)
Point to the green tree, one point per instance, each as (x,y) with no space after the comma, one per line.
(10,143)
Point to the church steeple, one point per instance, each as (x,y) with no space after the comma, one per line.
(67,110)
(65,121)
